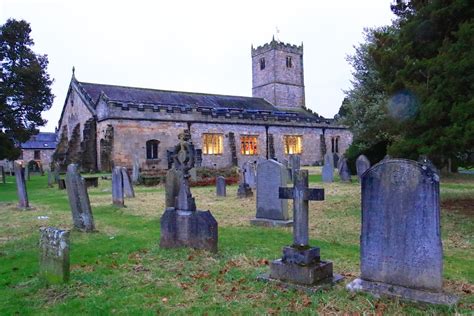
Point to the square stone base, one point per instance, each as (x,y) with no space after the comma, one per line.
(271,222)
(323,284)
(378,289)
(301,274)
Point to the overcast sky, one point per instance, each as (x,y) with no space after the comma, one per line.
(198,46)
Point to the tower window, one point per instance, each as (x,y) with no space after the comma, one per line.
(248,145)
(212,144)
(289,62)
(293,144)
(262,63)
(152,149)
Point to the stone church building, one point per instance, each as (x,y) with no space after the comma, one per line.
(105,125)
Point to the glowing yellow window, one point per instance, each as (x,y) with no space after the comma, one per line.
(212,144)
(248,145)
(293,144)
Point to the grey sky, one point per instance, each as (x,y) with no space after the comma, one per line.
(199,46)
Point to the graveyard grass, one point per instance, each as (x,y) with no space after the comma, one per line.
(120,269)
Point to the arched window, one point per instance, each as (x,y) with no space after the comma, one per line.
(152,149)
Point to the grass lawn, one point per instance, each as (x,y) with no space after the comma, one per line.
(120,269)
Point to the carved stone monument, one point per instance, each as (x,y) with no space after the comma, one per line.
(220,186)
(271,211)
(171,187)
(54,255)
(79,200)
(301,265)
(183,225)
(401,251)
(21,187)
(117,187)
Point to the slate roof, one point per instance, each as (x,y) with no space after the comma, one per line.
(153,96)
(41,141)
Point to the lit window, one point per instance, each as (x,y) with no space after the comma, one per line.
(248,145)
(262,63)
(212,144)
(293,144)
(37,155)
(152,149)
(289,63)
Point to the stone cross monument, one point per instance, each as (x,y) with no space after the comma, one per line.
(301,265)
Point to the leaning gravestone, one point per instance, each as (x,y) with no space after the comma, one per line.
(54,257)
(220,186)
(117,187)
(344,172)
(301,265)
(328,168)
(21,187)
(50,177)
(401,252)
(79,200)
(362,164)
(250,173)
(127,184)
(183,225)
(271,211)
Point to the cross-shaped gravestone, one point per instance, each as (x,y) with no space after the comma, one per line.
(301,195)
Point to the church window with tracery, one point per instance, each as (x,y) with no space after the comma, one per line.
(212,144)
(293,144)
(248,145)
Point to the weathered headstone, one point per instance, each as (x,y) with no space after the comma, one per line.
(56,172)
(401,251)
(79,200)
(50,177)
(294,164)
(301,264)
(136,171)
(127,184)
(250,173)
(244,190)
(183,225)
(171,187)
(328,168)
(2,170)
(336,160)
(21,187)
(220,186)
(344,172)
(27,172)
(117,187)
(362,164)
(54,255)
(271,211)
(61,184)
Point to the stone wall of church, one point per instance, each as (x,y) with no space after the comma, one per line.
(75,112)
(344,139)
(46,156)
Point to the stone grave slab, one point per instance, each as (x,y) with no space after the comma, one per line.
(54,255)
(117,187)
(362,165)
(220,186)
(328,168)
(127,184)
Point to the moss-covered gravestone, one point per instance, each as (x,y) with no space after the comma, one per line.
(54,255)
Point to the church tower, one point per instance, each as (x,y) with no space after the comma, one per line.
(277,74)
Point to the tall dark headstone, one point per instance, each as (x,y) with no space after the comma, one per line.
(183,225)
(117,187)
(271,211)
(336,160)
(171,187)
(21,187)
(328,168)
(220,186)
(401,251)
(79,200)
(127,184)
(362,165)
(344,171)
(301,264)
(54,255)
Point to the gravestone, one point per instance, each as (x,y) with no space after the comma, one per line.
(244,190)
(79,200)
(27,172)
(344,172)
(220,186)
(401,251)
(271,211)
(250,173)
(54,255)
(61,184)
(362,164)
(127,184)
(56,172)
(117,187)
(328,168)
(50,177)
(21,187)
(171,187)
(301,264)
(136,171)
(183,225)
(294,164)
(2,170)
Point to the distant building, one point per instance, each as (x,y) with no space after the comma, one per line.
(39,149)
(106,125)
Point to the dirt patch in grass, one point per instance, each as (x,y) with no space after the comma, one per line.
(461,206)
